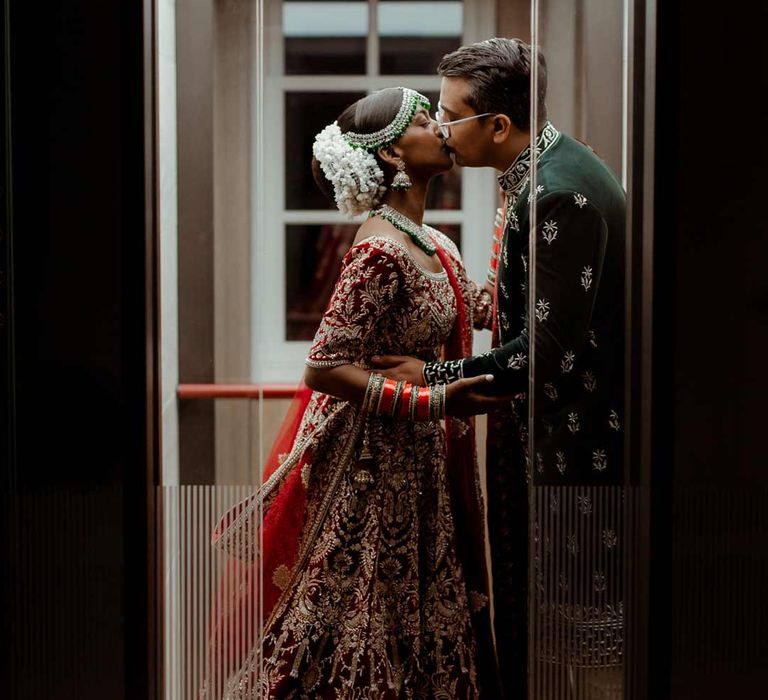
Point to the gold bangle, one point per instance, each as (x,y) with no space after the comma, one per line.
(373,392)
(367,396)
(396,399)
(437,402)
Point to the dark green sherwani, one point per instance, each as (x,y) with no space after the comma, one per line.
(579,353)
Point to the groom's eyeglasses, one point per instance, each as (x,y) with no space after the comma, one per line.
(445,127)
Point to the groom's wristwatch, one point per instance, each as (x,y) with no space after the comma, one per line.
(443,372)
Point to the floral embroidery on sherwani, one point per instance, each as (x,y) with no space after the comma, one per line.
(376,606)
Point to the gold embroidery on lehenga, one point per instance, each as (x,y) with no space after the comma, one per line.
(376,606)
(305,470)
(281,577)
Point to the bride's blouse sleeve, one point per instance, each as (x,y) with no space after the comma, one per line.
(371,278)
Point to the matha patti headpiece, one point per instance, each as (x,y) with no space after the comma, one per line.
(412,100)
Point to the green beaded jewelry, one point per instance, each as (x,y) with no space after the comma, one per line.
(412,100)
(418,234)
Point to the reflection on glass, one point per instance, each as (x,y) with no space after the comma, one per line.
(580,542)
(313,255)
(325,38)
(414,36)
(306,113)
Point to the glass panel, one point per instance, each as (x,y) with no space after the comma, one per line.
(414,36)
(580,504)
(325,38)
(306,113)
(313,254)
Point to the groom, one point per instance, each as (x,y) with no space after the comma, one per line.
(484,116)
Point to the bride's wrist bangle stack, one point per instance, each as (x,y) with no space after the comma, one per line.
(403,401)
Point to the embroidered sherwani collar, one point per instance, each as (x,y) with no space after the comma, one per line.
(514,178)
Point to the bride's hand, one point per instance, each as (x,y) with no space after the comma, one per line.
(400,368)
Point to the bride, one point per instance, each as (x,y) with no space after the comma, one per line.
(372,549)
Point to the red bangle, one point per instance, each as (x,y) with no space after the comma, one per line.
(405,402)
(387,400)
(422,407)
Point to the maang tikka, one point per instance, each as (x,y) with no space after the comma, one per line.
(401,181)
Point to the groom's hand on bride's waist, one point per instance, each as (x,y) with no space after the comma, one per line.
(400,368)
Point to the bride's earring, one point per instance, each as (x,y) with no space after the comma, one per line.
(401,181)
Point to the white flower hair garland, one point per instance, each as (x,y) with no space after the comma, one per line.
(358,181)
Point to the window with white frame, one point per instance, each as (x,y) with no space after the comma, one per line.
(320,56)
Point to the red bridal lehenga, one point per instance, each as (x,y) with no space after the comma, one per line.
(374,578)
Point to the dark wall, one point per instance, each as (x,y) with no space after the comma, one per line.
(77,478)
(711,461)
(721,250)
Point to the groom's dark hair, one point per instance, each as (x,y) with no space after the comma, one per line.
(499,75)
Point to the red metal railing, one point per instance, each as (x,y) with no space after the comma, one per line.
(236,391)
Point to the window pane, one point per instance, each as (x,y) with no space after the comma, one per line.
(421,19)
(414,36)
(306,113)
(324,56)
(325,38)
(407,56)
(313,255)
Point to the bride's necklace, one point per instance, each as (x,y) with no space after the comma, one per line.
(401,222)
